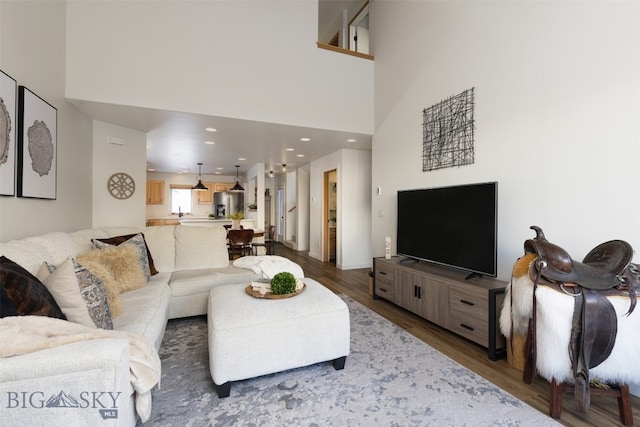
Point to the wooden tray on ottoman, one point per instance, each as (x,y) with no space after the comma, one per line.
(269,295)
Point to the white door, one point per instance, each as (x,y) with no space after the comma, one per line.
(359,31)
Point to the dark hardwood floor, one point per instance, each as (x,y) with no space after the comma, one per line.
(354,283)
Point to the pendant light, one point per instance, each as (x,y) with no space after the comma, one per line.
(237,187)
(199,186)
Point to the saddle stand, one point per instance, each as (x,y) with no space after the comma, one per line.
(605,271)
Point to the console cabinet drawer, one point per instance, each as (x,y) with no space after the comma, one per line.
(470,327)
(385,279)
(467,301)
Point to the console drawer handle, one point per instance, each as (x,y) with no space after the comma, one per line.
(467,302)
(383,273)
(466,327)
(383,289)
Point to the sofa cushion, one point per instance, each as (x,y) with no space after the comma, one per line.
(201,247)
(145,309)
(58,244)
(28,255)
(23,294)
(137,240)
(83,237)
(162,246)
(189,282)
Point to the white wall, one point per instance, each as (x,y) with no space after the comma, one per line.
(225,58)
(302,222)
(291,207)
(255,179)
(354,210)
(353,226)
(32,51)
(111,158)
(556,113)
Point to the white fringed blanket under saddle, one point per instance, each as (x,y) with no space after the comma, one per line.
(610,342)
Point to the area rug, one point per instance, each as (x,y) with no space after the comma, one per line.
(390,379)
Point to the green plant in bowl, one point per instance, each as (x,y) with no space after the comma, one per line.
(283,283)
(237,215)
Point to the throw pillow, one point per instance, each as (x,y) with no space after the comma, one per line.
(111,287)
(80,294)
(94,293)
(23,294)
(118,240)
(62,283)
(122,262)
(6,309)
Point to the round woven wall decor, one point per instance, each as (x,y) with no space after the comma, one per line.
(121,185)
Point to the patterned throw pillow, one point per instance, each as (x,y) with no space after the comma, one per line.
(22,294)
(95,296)
(140,242)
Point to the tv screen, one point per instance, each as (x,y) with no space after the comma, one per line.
(452,226)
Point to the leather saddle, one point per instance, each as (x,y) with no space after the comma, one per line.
(606,270)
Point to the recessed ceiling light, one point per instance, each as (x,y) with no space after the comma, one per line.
(241,158)
(289,149)
(209,142)
(305,139)
(219,169)
(151,170)
(351,140)
(210,129)
(299,155)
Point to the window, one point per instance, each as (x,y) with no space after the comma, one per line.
(180,199)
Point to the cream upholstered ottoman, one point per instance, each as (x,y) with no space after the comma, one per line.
(249,337)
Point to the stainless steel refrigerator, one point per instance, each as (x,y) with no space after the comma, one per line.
(227,202)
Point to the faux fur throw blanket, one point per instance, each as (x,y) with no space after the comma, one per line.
(269,265)
(26,334)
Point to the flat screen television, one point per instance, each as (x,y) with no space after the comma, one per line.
(452,226)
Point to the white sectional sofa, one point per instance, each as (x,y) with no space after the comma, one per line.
(189,260)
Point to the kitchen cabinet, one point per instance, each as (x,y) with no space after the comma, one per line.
(206,197)
(155,192)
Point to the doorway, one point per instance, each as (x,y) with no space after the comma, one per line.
(330,214)
(359,31)
(281,209)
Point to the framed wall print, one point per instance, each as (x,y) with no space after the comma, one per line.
(37,146)
(8,125)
